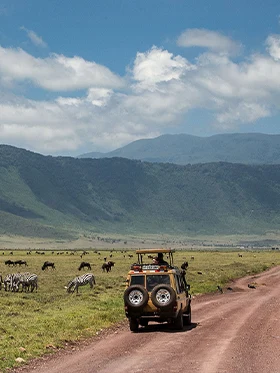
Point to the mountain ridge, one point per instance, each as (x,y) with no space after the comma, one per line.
(248,148)
(57,196)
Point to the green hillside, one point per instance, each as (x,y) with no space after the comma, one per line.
(58,196)
(247,148)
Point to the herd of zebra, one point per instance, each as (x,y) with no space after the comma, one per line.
(29,282)
(13,281)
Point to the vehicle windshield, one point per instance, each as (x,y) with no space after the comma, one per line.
(153,280)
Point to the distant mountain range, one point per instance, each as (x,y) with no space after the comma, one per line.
(250,148)
(62,196)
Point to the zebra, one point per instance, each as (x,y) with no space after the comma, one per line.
(87,278)
(8,282)
(28,282)
(12,281)
(15,278)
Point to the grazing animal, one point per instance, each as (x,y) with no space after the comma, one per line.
(83,265)
(240,255)
(20,262)
(9,262)
(192,257)
(8,282)
(47,265)
(251,286)
(11,281)
(29,282)
(87,278)
(14,286)
(220,289)
(107,266)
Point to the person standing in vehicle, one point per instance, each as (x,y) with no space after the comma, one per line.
(160,259)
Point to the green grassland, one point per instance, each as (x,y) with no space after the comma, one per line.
(48,319)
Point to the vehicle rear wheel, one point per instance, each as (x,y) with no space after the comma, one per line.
(187,317)
(133,325)
(136,296)
(163,296)
(178,322)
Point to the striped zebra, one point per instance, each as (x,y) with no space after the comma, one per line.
(28,281)
(8,282)
(87,278)
(16,280)
(13,281)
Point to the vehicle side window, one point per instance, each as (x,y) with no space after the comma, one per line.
(137,280)
(153,280)
(179,284)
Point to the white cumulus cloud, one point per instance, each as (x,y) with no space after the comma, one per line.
(156,66)
(208,39)
(273,46)
(55,73)
(158,92)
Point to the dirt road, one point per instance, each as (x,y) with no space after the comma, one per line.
(237,331)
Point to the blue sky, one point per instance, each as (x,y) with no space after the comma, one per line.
(80,76)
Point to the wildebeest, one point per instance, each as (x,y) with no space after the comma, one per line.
(9,262)
(107,266)
(251,286)
(47,265)
(20,262)
(84,265)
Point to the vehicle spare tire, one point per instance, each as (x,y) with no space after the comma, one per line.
(163,296)
(136,296)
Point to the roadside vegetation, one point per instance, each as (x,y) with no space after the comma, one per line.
(33,324)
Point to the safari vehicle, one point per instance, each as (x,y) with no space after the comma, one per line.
(156,292)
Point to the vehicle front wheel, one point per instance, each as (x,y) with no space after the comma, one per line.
(178,322)
(187,317)
(133,325)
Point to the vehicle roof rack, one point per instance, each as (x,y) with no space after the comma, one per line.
(142,252)
(154,251)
